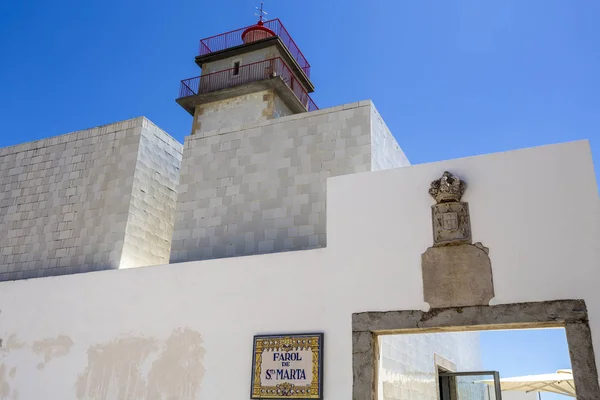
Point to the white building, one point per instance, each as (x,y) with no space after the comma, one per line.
(260,174)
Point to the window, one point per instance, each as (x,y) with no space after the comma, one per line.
(236,68)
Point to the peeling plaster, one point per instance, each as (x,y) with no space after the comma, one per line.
(116,369)
(51,348)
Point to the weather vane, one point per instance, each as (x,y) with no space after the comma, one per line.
(261,13)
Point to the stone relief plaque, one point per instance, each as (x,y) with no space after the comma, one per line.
(287,366)
(451,223)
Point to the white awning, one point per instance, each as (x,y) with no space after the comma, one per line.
(561,382)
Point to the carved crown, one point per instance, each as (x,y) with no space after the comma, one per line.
(447,188)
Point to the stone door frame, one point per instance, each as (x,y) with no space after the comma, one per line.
(569,314)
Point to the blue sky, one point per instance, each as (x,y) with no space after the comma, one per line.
(526,352)
(451,79)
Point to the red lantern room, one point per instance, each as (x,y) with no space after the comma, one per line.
(257,32)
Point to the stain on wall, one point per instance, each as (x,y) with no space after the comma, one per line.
(4,386)
(178,371)
(11,344)
(51,348)
(113,370)
(5,390)
(5,347)
(116,370)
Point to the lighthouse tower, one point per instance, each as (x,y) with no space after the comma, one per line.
(248,75)
(255,168)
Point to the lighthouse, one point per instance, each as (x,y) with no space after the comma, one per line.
(251,74)
(255,166)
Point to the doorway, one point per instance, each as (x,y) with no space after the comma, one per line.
(570,314)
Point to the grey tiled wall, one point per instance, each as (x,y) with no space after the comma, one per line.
(261,187)
(408,364)
(65,201)
(153,198)
(386,153)
(105,197)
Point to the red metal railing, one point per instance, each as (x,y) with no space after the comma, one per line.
(268,69)
(234,38)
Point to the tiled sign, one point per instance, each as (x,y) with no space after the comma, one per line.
(288,366)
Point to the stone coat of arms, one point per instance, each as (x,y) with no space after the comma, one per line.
(450,216)
(456,273)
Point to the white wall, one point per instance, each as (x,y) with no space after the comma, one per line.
(115,334)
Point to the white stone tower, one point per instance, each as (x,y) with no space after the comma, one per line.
(254,169)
